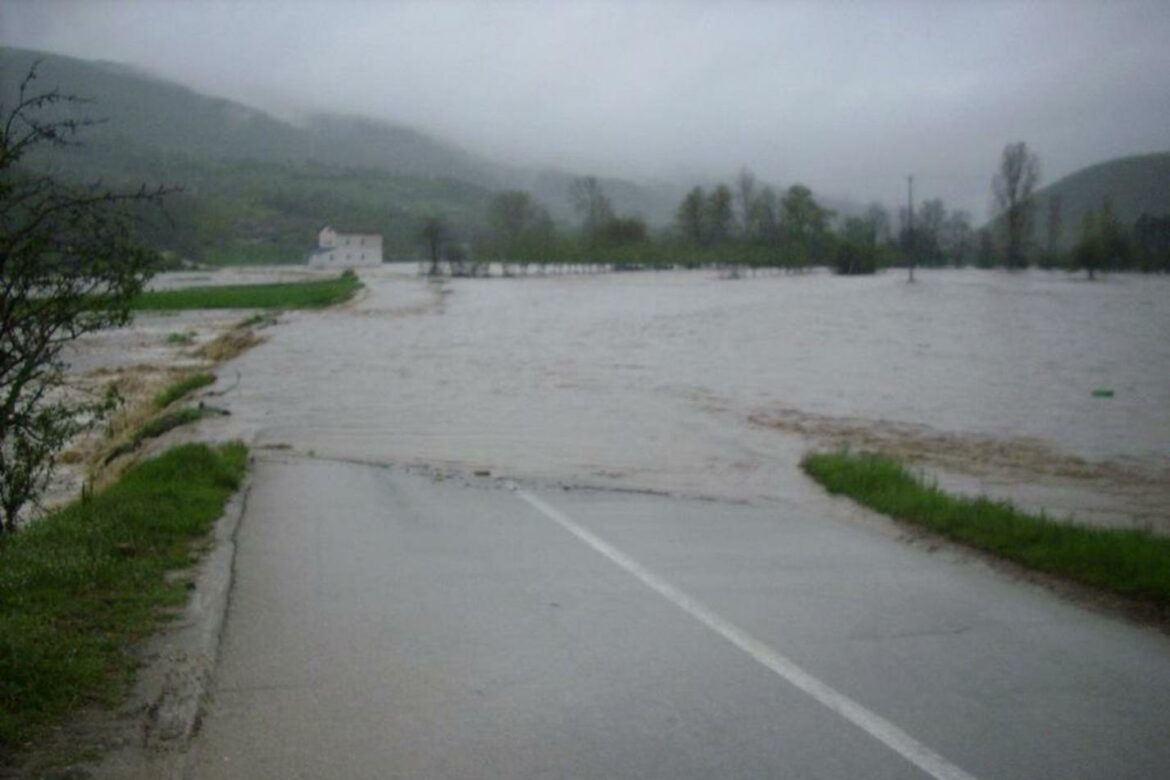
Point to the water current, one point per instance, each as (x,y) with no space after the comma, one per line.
(688,383)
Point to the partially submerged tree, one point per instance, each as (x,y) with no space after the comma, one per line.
(433,234)
(1103,244)
(958,241)
(745,193)
(1151,238)
(518,229)
(623,231)
(857,252)
(691,217)
(1013,185)
(509,215)
(804,224)
(720,215)
(591,202)
(1053,224)
(69,265)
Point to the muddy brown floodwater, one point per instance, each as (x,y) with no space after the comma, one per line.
(690,384)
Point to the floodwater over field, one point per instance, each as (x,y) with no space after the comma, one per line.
(687,383)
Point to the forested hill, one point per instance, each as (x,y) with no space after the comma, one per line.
(1133,186)
(256,188)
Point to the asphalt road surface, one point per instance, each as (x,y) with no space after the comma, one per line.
(387,623)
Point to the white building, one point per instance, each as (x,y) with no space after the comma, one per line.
(346,250)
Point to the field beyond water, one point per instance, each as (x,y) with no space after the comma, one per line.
(310,294)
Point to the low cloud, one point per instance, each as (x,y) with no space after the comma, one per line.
(848,98)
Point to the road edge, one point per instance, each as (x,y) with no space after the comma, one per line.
(171,688)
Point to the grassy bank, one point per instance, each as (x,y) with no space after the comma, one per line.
(289,295)
(1131,563)
(80,587)
(182,388)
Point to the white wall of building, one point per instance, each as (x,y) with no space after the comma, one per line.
(346,250)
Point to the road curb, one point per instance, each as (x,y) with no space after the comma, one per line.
(171,689)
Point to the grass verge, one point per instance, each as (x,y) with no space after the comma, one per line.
(80,587)
(153,428)
(182,388)
(1131,563)
(290,295)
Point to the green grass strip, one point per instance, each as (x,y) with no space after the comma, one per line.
(182,388)
(1131,563)
(81,586)
(154,428)
(290,295)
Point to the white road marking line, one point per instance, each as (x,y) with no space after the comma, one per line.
(868,721)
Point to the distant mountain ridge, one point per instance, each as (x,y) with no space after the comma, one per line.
(144,113)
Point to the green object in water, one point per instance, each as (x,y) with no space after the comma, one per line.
(1103,392)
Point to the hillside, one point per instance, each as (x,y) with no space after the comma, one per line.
(1134,185)
(257,188)
(144,111)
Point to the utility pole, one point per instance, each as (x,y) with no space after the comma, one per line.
(910,228)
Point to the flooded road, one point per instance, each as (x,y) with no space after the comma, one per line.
(415,616)
(685,383)
(387,624)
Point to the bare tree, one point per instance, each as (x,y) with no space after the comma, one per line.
(433,234)
(510,213)
(929,225)
(69,265)
(879,218)
(1053,225)
(690,217)
(958,238)
(1013,185)
(766,215)
(746,194)
(591,202)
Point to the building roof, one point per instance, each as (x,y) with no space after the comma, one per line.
(351,232)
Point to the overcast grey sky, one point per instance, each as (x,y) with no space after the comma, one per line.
(845,97)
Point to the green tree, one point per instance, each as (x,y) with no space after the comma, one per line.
(720,215)
(623,231)
(857,251)
(1151,238)
(1089,253)
(69,264)
(803,225)
(1104,244)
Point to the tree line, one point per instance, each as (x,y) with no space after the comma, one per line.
(1103,242)
(746,226)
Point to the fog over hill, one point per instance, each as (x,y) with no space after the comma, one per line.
(144,114)
(848,98)
(1132,185)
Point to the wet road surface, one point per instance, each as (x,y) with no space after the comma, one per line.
(387,623)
